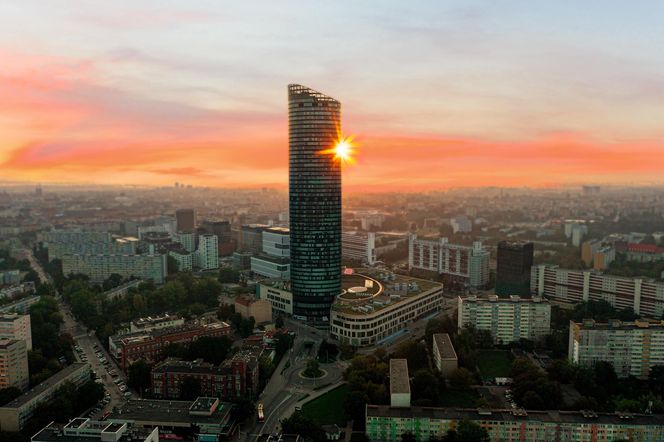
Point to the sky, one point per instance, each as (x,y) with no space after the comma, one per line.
(438,94)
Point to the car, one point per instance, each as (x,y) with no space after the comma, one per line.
(123,388)
(117,381)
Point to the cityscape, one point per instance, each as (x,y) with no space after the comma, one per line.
(394,280)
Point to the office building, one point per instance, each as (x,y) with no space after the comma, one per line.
(13,364)
(15,326)
(376,306)
(155,323)
(87,430)
(465,264)
(222,230)
(644,296)
(185,220)
(359,247)
(314,202)
(507,319)
(632,348)
(388,424)
(234,378)
(278,294)
(99,267)
(514,260)
(274,260)
(444,356)
(14,414)
(249,307)
(207,253)
(242,260)
(399,383)
(251,238)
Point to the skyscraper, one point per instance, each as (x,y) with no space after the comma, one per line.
(513,265)
(314,125)
(186,220)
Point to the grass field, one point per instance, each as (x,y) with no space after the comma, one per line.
(328,408)
(495,363)
(459,398)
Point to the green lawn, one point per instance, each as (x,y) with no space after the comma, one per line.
(458,398)
(495,363)
(328,408)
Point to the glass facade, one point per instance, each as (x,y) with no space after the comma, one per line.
(314,125)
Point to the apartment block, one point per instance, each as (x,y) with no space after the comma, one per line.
(13,364)
(645,296)
(206,256)
(100,267)
(444,356)
(399,383)
(507,319)
(15,326)
(359,246)
(632,348)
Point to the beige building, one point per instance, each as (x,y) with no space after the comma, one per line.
(444,355)
(276,292)
(14,364)
(16,413)
(399,383)
(14,326)
(260,309)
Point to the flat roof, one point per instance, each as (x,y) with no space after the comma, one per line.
(553,416)
(444,344)
(616,324)
(399,380)
(48,383)
(484,298)
(167,412)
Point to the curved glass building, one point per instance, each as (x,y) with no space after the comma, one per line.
(314,125)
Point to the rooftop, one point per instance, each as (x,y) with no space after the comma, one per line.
(399,380)
(513,415)
(86,430)
(617,324)
(169,413)
(444,344)
(48,383)
(512,298)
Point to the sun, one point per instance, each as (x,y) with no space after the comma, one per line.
(343,150)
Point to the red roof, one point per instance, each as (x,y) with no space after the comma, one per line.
(644,248)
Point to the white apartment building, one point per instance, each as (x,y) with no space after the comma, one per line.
(632,348)
(444,356)
(184,259)
(507,319)
(187,239)
(437,255)
(100,267)
(15,326)
(207,254)
(359,246)
(644,296)
(14,364)
(461,224)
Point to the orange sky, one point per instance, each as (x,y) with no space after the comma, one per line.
(199,97)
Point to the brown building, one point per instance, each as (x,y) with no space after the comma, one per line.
(150,346)
(235,377)
(186,220)
(13,364)
(260,309)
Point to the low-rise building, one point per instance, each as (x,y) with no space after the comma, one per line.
(388,424)
(14,364)
(399,383)
(183,258)
(10,277)
(87,430)
(279,295)
(16,413)
(20,306)
(507,319)
(150,323)
(15,326)
(16,290)
(359,246)
(273,267)
(444,356)
(236,377)
(632,348)
(376,306)
(259,309)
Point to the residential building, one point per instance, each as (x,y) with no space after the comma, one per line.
(150,345)
(314,203)
(185,220)
(14,414)
(184,259)
(242,260)
(399,383)
(513,263)
(13,364)
(234,378)
(10,277)
(17,290)
(376,306)
(100,267)
(604,257)
(278,294)
(207,254)
(249,307)
(444,356)
(359,246)
(461,224)
(87,430)
(388,424)
(467,264)
(20,306)
(578,232)
(641,252)
(632,348)
(507,319)
(588,250)
(15,326)
(644,296)
(150,323)
(187,240)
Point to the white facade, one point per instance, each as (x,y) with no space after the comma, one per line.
(461,224)
(100,267)
(359,246)
(507,319)
(276,242)
(187,239)
(14,364)
(270,267)
(207,254)
(281,299)
(185,260)
(14,326)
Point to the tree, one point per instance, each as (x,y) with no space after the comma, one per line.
(112,281)
(228,275)
(461,378)
(532,401)
(8,394)
(298,423)
(172,265)
(355,404)
(408,437)
(243,408)
(139,375)
(424,386)
(190,388)
(468,431)
(313,369)
(415,352)
(439,325)
(279,322)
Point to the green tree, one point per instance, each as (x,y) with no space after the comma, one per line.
(298,423)
(138,375)
(469,431)
(228,275)
(415,352)
(190,389)
(279,322)
(461,378)
(408,437)
(313,369)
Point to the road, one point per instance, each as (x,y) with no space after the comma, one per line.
(85,340)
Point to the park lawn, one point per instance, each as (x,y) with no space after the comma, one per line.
(466,398)
(329,408)
(495,363)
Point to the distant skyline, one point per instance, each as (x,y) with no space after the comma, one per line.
(438,94)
